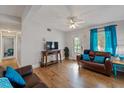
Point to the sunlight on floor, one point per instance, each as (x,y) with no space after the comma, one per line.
(9,62)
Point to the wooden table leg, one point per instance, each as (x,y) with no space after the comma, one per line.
(57,57)
(60,56)
(43,60)
(46,60)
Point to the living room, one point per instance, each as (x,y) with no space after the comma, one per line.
(85,41)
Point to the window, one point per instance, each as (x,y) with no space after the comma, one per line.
(101,40)
(77,45)
(104,40)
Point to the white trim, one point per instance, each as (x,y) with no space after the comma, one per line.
(1,47)
(36,65)
(10,57)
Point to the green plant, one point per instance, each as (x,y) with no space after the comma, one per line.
(66,52)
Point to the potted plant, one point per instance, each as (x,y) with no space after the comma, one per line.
(66,53)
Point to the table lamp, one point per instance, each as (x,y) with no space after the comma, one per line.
(120,52)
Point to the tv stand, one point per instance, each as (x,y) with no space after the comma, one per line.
(46,53)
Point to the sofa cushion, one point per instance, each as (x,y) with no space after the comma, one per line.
(31,80)
(99,59)
(105,54)
(86,57)
(14,76)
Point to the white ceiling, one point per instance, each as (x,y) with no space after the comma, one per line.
(12,10)
(56,16)
(11,14)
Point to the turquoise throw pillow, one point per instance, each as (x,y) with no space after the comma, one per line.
(14,76)
(5,83)
(86,57)
(99,59)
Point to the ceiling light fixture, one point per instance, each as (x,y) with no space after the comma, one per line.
(74,22)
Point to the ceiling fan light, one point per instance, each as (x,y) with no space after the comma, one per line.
(72,26)
(74,22)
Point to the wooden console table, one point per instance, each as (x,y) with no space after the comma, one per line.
(46,53)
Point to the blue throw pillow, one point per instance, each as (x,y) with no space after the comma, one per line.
(5,83)
(14,76)
(86,57)
(99,59)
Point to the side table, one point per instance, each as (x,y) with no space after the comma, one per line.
(115,64)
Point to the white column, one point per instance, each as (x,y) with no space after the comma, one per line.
(16,47)
(1,47)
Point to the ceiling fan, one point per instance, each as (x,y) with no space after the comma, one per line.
(74,22)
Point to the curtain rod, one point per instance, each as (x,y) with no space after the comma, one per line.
(103,27)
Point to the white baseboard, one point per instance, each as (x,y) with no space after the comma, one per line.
(36,65)
(72,58)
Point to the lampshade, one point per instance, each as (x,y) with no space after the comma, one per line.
(120,50)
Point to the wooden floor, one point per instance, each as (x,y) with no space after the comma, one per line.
(9,62)
(68,75)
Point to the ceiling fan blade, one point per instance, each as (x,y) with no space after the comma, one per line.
(79,22)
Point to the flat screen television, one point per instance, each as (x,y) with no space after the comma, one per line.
(55,45)
(51,45)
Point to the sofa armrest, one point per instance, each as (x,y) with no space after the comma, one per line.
(26,70)
(108,66)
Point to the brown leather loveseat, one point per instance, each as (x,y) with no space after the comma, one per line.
(105,68)
(32,80)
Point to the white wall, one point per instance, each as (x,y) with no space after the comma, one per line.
(18,49)
(33,34)
(84,35)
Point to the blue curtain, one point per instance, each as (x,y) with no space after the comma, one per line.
(93,39)
(108,39)
(111,39)
(114,39)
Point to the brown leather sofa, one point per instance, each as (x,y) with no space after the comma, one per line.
(105,68)
(32,80)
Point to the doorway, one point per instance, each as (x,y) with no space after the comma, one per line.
(10,47)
